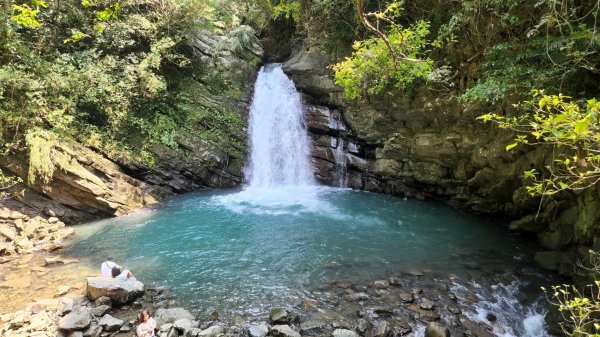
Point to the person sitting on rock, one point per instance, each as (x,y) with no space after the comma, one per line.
(113,270)
(147,324)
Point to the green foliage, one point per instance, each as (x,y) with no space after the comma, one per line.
(580,309)
(371,69)
(118,89)
(569,127)
(25,15)
(287,9)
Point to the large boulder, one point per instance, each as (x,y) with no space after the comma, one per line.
(120,292)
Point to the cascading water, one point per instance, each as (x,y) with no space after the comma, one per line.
(278,138)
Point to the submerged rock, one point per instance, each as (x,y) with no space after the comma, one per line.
(436,330)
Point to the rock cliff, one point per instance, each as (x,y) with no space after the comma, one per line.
(428,145)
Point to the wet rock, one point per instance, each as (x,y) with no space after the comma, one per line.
(283,331)
(379,329)
(399,328)
(76,320)
(435,329)
(109,323)
(426,305)
(395,281)
(473,329)
(344,333)
(414,272)
(381,284)
(357,297)
(455,310)
(120,292)
(343,284)
(258,330)
(406,297)
(315,327)
(363,325)
(309,304)
(491,317)
(416,290)
(279,316)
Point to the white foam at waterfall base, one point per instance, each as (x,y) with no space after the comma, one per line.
(292,200)
(513,318)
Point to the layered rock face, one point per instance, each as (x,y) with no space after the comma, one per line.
(431,146)
(90,183)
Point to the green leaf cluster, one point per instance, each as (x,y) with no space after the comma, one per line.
(370,69)
(569,127)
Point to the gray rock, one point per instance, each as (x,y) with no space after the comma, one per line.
(193,332)
(426,305)
(381,284)
(406,297)
(120,292)
(185,324)
(65,306)
(164,316)
(435,329)
(213,331)
(283,331)
(73,334)
(279,316)
(399,328)
(93,331)
(344,333)
(363,325)
(126,327)
(315,327)
(103,301)
(379,329)
(236,331)
(109,323)
(165,327)
(100,310)
(258,330)
(357,296)
(78,319)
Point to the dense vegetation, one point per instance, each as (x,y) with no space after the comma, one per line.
(115,76)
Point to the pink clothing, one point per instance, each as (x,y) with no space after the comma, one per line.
(146,329)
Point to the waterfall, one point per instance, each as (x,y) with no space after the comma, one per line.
(280,148)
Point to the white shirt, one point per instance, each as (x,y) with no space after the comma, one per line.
(106,268)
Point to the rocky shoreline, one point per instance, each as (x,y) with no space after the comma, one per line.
(413,303)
